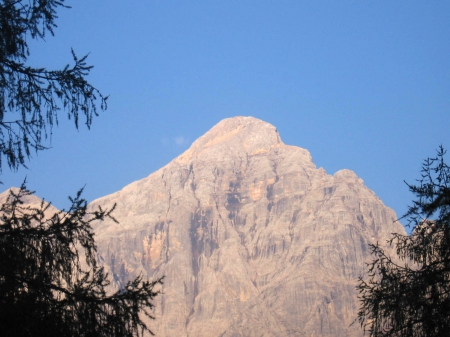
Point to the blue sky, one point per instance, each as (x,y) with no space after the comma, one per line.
(362,85)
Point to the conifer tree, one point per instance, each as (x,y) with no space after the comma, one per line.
(409,294)
(31,98)
(50,280)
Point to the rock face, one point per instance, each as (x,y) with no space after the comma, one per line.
(253,239)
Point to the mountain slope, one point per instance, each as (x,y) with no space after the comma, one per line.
(253,239)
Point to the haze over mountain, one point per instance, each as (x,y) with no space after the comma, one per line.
(253,239)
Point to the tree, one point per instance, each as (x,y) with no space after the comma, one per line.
(30,98)
(50,281)
(44,288)
(409,294)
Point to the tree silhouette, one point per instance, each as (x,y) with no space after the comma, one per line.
(50,281)
(30,98)
(409,294)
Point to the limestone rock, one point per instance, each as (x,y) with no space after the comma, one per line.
(253,239)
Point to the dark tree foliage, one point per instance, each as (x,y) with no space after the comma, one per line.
(50,281)
(30,98)
(409,294)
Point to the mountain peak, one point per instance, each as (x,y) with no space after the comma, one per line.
(246,230)
(245,125)
(239,134)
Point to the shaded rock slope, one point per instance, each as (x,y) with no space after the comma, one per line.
(253,239)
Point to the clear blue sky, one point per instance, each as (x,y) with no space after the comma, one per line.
(363,85)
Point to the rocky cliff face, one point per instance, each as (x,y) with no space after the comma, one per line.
(253,239)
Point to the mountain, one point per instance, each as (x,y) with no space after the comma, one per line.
(32,201)
(253,239)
